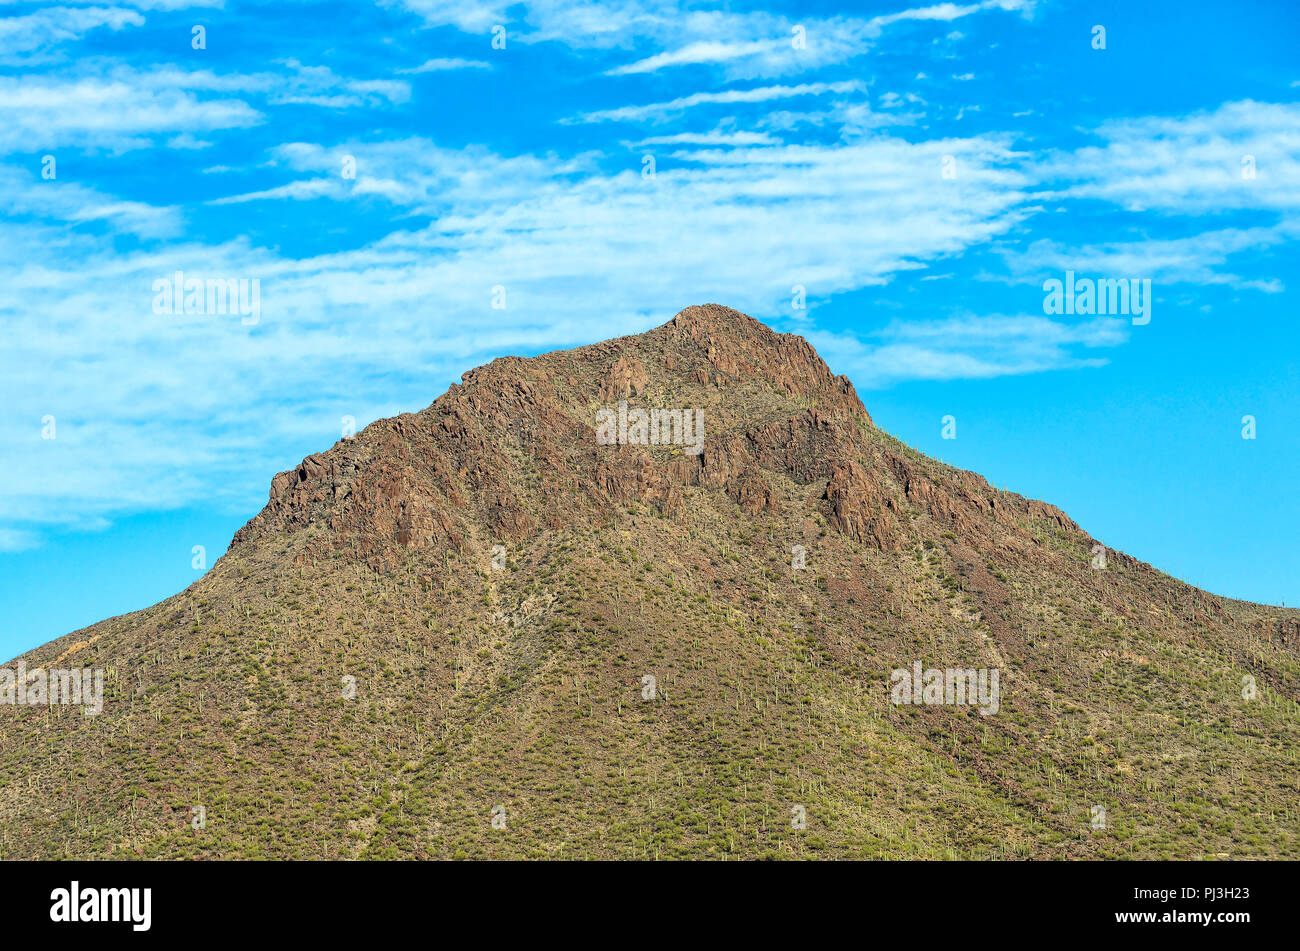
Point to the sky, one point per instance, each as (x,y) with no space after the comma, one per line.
(415,187)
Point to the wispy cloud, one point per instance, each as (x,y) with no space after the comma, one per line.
(1200,259)
(53,25)
(1239,155)
(25,195)
(125,108)
(659,111)
(118,113)
(445,64)
(747,44)
(968,346)
(705,51)
(716,137)
(15,539)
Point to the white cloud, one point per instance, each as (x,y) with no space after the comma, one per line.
(748,45)
(166,4)
(1187,166)
(1190,164)
(108,113)
(705,51)
(1198,259)
(319,86)
(53,25)
(296,191)
(25,194)
(466,15)
(445,64)
(716,137)
(416,174)
(968,347)
(660,111)
(16,539)
(125,109)
(947,12)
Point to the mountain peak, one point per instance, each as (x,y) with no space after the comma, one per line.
(516,449)
(717,318)
(502,581)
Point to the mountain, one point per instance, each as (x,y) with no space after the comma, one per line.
(501,627)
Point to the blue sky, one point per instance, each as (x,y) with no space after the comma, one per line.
(919,170)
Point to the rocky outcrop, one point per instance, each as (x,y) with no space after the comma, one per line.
(806,446)
(735,346)
(627,377)
(511,451)
(859,508)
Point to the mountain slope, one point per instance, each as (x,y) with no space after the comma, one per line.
(500,706)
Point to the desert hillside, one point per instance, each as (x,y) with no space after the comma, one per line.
(481,631)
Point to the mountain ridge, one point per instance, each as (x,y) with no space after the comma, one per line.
(633,651)
(723,340)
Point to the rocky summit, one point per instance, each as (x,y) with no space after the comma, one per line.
(672,595)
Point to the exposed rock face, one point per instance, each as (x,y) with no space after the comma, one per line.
(737,346)
(491,457)
(627,377)
(860,509)
(806,446)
